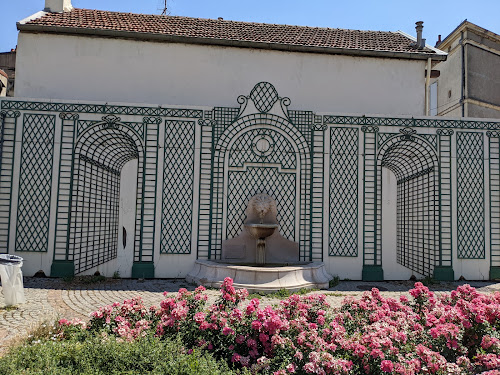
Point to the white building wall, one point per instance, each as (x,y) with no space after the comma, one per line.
(118,70)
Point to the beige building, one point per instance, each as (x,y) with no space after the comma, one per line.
(3,83)
(469,81)
(8,66)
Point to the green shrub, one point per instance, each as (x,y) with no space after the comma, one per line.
(106,355)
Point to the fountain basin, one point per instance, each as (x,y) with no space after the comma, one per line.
(259,230)
(264,279)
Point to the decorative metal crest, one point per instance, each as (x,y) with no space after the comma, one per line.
(263,98)
(408,134)
(110,122)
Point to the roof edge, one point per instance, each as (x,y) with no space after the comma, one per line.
(436,50)
(31,18)
(464,25)
(223,42)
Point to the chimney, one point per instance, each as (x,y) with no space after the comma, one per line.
(438,41)
(57,6)
(419,27)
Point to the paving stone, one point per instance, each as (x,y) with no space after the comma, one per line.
(51,299)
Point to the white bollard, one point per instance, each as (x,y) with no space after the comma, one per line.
(12,279)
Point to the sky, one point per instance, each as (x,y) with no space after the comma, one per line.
(439,16)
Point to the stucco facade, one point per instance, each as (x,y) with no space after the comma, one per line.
(119,70)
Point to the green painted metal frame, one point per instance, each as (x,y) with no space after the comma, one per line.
(212,123)
(35,183)
(415,163)
(8,122)
(494,184)
(178,187)
(443,271)
(104,147)
(343,191)
(372,269)
(219,149)
(470,183)
(62,265)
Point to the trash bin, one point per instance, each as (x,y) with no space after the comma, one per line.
(12,279)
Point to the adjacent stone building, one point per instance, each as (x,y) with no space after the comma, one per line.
(469,81)
(8,65)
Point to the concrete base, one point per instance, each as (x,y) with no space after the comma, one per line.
(260,279)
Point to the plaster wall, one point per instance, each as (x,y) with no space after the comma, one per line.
(483,76)
(118,70)
(484,112)
(450,84)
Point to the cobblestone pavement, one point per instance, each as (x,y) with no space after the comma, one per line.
(50,299)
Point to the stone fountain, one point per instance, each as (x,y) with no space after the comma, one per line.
(260,258)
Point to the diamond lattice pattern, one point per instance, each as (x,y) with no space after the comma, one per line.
(177,187)
(264,95)
(244,185)
(243,151)
(343,192)
(35,183)
(470,196)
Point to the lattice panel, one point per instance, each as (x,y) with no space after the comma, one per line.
(264,95)
(470,195)
(275,148)
(343,195)
(418,223)
(244,185)
(95,210)
(225,115)
(178,180)
(382,137)
(35,183)
(416,168)
(303,120)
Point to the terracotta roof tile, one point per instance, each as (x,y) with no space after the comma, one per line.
(230,30)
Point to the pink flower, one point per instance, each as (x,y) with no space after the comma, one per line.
(199,317)
(386,366)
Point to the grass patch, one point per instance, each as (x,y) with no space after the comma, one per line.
(429,281)
(334,282)
(8,308)
(335,294)
(106,355)
(85,280)
(280,294)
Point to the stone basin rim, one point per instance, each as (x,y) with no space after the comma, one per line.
(295,267)
(261,225)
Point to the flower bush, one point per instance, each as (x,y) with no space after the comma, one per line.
(455,333)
